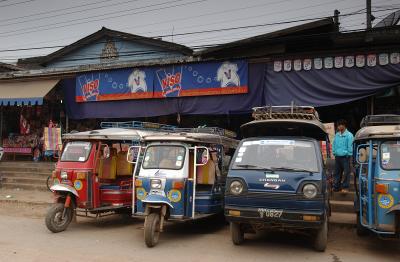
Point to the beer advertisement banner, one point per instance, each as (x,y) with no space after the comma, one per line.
(201,79)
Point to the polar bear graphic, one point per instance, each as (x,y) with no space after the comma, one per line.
(137,81)
(227,74)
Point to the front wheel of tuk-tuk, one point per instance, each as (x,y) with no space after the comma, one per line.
(321,237)
(58,219)
(152,229)
(237,233)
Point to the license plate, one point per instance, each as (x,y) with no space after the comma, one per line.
(270,213)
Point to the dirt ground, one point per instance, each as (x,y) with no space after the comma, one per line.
(24,237)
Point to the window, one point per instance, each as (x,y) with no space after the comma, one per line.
(76,151)
(390,155)
(164,157)
(276,154)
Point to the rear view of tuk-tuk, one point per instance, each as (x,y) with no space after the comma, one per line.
(277,177)
(377,158)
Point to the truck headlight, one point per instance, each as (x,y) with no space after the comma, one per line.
(236,187)
(155,184)
(310,191)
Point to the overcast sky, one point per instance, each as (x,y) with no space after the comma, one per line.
(39,23)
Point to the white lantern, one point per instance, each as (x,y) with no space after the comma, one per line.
(328,62)
(297,65)
(383,59)
(307,64)
(394,58)
(360,60)
(287,65)
(277,66)
(318,63)
(349,61)
(338,61)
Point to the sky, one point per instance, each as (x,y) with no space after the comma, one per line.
(56,23)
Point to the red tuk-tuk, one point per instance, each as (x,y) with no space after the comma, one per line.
(93,177)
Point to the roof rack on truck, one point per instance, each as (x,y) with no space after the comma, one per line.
(285,112)
(137,125)
(380,120)
(208,130)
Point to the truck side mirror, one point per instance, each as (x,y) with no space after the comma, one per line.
(133,154)
(106,151)
(202,156)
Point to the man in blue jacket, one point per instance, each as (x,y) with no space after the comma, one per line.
(342,150)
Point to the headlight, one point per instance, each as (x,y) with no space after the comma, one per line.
(310,191)
(236,187)
(155,184)
(64,175)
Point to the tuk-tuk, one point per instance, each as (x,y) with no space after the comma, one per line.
(377,162)
(182,177)
(92,177)
(277,178)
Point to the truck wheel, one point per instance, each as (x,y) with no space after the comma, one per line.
(152,229)
(361,231)
(55,221)
(237,233)
(321,238)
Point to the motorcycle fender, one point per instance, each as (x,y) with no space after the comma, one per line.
(64,188)
(157,200)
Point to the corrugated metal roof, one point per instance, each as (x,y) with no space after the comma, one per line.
(25,92)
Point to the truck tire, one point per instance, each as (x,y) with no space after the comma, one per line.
(321,238)
(236,233)
(54,220)
(152,229)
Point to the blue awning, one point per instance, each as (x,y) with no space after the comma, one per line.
(25,92)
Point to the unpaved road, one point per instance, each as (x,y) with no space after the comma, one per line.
(25,238)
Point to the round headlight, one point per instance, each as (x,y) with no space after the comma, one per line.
(310,190)
(236,187)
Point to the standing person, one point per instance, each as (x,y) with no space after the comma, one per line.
(342,150)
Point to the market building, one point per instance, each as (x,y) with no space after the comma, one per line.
(116,76)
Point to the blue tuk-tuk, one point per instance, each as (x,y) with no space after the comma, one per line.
(181,176)
(377,161)
(277,178)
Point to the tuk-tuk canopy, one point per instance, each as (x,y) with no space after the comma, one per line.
(379,127)
(121,134)
(285,121)
(378,132)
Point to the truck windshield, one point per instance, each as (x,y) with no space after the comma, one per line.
(164,157)
(291,155)
(76,151)
(390,155)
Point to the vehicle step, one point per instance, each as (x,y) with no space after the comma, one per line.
(25,169)
(26,174)
(349,196)
(8,185)
(24,180)
(342,206)
(343,219)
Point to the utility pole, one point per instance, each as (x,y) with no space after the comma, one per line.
(369,15)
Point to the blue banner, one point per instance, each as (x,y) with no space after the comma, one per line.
(217,78)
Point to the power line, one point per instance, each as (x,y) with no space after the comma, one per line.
(54,10)
(18,3)
(68,13)
(103,17)
(213,30)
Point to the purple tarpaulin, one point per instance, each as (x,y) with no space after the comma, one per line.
(326,87)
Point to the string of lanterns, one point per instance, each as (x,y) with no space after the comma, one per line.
(336,62)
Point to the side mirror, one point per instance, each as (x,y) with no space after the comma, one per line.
(106,151)
(202,155)
(133,154)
